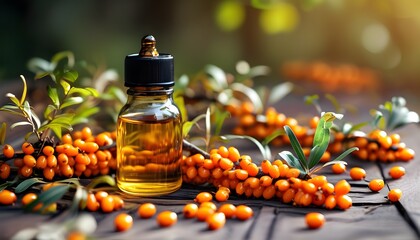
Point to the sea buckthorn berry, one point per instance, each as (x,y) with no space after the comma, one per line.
(234,154)
(344,201)
(123,222)
(357,173)
(396,172)
(48,150)
(309,187)
(314,220)
(338,168)
(209,205)
(244,212)
(319,180)
(216,221)
(269,192)
(4,171)
(100,195)
(107,204)
(30,197)
(288,195)
(265,166)
(26,171)
(203,213)
(203,197)
(406,154)
(27,148)
(330,202)
(190,210)
(226,163)
(282,185)
(274,171)
(7,197)
(29,161)
(223,151)
(222,194)
(103,139)
(241,174)
(266,181)
(8,151)
(90,147)
(342,187)
(91,203)
(376,185)
(118,202)
(146,210)
(51,161)
(228,209)
(166,218)
(252,169)
(394,195)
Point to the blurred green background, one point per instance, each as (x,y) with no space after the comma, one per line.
(381,35)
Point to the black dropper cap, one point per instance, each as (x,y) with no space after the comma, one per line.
(148,68)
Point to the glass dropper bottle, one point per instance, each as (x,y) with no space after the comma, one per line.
(149,128)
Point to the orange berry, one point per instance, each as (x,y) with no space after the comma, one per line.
(27,148)
(203,197)
(244,212)
(222,195)
(228,209)
(4,171)
(396,172)
(342,187)
(118,202)
(241,174)
(166,218)
(29,160)
(146,210)
(28,198)
(357,173)
(123,222)
(394,195)
(233,154)
(107,204)
(91,203)
(252,169)
(344,201)
(48,150)
(190,210)
(7,197)
(330,202)
(204,212)
(216,221)
(376,185)
(338,168)
(226,163)
(223,151)
(314,220)
(8,151)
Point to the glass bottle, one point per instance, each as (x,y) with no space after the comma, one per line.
(149,128)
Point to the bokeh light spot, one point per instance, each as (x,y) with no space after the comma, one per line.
(282,17)
(375,38)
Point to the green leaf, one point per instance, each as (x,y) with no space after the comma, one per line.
(53,95)
(24,90)
(27,183)
(105,179)
(279,92)
(186,127)
(179,101)
(82,116)
(3,129)
(265,151)
(62,55)
(66,86)
(8,183)
(49,112)
(318,150)
(22,123)
(39,66)
(14,99)
(220,117)
(313,100)
(292,161)
(272,136)
(71,101)
(218,77)
(79,199)
(296,147)
(84,91)
(71,75)
(48,197)
(314,170)
(334,102)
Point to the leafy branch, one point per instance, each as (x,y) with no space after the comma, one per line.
(307,166)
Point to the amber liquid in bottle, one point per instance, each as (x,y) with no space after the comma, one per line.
(149,150)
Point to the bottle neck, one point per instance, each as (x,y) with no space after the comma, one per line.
(152,93)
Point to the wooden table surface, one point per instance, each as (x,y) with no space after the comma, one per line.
(371,217)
